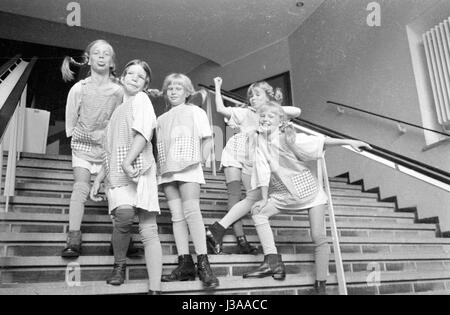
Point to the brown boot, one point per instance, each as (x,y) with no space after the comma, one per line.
(184,272)
(73,247)
(117,276)
(205,273)
(272,266)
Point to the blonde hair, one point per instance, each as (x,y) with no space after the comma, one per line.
(271,93)
(182,79)
(179,78)
(273,107)
(68,74)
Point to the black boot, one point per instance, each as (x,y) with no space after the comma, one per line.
(272,266)
(245,247)
(150,292)
(73,248)
(205,273)
(132,252)
(320,288)
(117,276)
(184,272)
(214,236)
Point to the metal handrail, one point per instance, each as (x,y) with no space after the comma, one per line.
(437,177)
(8,64)
(12,116)
(388,118)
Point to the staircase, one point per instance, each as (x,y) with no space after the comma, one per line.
(384,250)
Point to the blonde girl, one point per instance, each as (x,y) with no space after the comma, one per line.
(237,160)
(286,172)
(183,134)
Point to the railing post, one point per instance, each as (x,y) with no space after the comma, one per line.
(334,233)
(213,152)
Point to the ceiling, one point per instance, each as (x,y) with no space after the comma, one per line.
(218,30)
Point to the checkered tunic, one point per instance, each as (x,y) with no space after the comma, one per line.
(178,139)
(118,141)
(287,170)
(88,111)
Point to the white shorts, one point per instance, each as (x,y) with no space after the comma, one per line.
(93,168)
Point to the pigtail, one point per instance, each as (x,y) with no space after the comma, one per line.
(67,73)
(278,95)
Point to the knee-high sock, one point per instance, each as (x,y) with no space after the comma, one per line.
(180,227)
(123,222)
(152,247)
(234,196)
(321,256)
(241,208)
(77,200)
(194,220)
(265,234)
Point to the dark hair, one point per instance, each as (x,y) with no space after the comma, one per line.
(144,66)
(68,75)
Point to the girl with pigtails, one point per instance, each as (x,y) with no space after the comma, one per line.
(90,104)
(237,160)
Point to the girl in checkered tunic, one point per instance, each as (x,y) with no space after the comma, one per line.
(183,134)
(286,172)
(90,104)
(130,172)
(237,160)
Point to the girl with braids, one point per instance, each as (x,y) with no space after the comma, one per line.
(286,172)
(237,160)
(90,104)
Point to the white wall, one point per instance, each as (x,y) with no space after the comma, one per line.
(336,56)
(260,65)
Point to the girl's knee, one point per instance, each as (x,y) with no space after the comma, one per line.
(80,191)
(123,219)
(149,233)
(319,239)
(260,219)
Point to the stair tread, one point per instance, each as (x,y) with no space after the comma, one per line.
(67,188)
(165,238)
(65,201)
(57,261)
(231,283)
(275,223)
(67,175)
(88,218)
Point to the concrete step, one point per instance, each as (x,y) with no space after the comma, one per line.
(48,201)
(51,244)
(39,171)
(285,227)
(399,282)
(65,190)
(386,261)
(96,268)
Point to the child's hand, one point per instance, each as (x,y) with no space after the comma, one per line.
(155,92)
(130,171)
(94,192)
(218,82)
(258,206)
(291,135)
(358,145)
